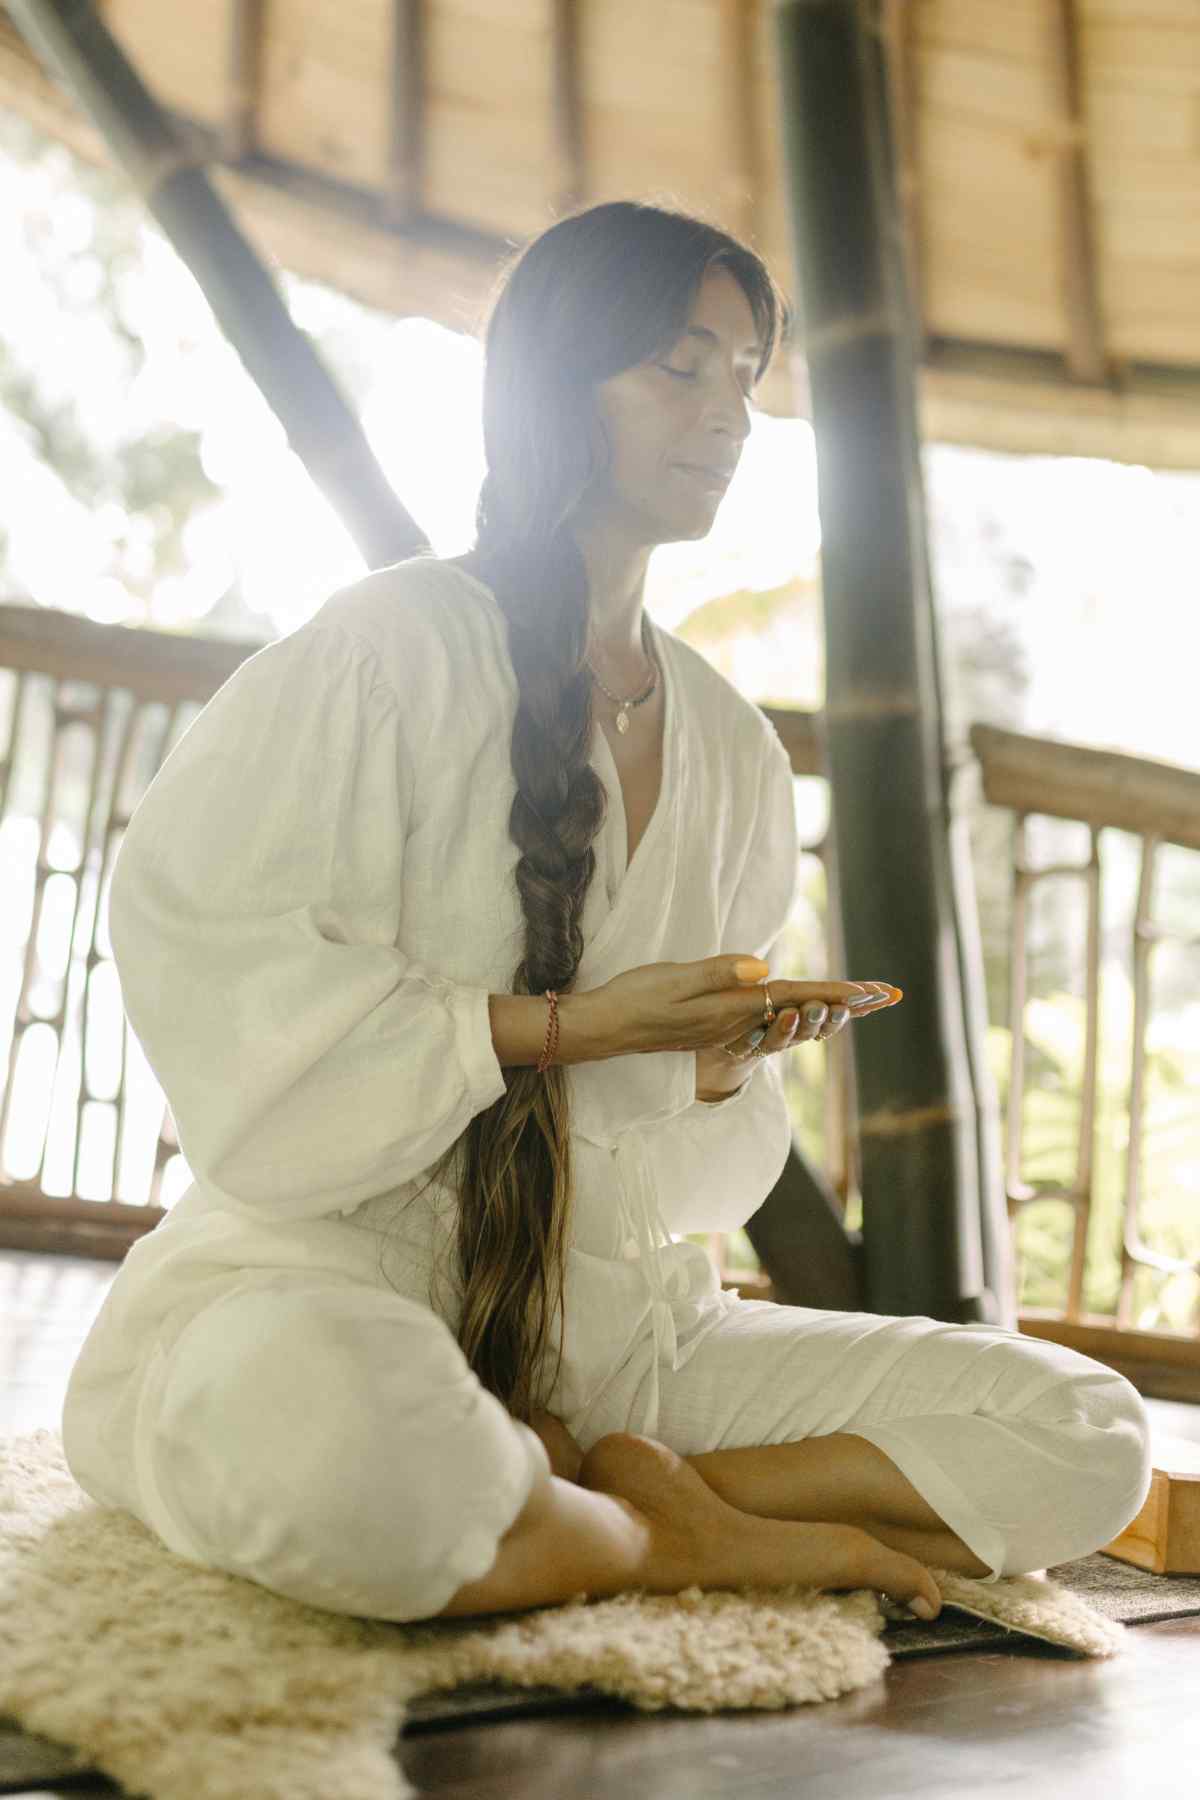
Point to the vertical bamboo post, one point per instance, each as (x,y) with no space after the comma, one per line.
(935,1227)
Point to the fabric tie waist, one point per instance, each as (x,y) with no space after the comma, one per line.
(644,1235)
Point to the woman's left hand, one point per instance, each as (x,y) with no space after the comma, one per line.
(565,1454)
(714,1066)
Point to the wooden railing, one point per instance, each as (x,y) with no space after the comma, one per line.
(1157,802)
(87,714)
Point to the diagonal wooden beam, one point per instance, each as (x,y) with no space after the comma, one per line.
(76,45)
(801,1242)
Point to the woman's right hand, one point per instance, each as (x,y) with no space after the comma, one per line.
(697,1005)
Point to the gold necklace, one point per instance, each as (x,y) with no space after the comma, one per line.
(624,706)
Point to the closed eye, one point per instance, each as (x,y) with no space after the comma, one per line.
(692,374)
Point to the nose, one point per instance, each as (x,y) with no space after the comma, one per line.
(729,414)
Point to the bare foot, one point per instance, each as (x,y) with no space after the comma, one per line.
(702,1540)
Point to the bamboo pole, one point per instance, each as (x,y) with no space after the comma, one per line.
(935,1224)
(322,428)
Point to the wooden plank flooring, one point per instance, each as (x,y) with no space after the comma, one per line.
(1028,1720)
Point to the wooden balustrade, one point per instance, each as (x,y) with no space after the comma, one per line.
(87,714)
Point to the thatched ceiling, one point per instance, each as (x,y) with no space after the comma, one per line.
(1048,157)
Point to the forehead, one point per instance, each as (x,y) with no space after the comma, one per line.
(721,314)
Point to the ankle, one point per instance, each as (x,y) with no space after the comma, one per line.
(940,1549)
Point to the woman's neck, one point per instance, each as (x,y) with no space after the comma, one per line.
(616,652)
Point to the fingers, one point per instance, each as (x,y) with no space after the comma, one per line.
(849,993)
(818,1021)
(878,993)
(834,1018)
(815,1022)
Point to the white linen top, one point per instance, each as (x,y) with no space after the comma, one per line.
(309,908)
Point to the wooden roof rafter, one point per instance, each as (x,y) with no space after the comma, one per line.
(404,194)
(239,134)
(898,30)
(1085,354)
(568,107)
(401,149)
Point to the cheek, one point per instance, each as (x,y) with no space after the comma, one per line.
(645,428)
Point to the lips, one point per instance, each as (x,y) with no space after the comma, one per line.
(715,477)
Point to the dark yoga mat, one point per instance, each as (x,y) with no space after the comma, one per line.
(1117,1589)
(1114,1588)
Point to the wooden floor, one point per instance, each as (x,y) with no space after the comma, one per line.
(1022,1723)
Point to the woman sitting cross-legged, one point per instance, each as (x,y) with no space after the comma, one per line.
(451,929)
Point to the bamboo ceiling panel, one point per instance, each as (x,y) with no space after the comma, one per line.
(659,116)
(180,50)
(1060,234)
(991,135)
(489,158)
(323,87)
(980,191)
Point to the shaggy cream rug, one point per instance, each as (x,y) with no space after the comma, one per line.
(182,1683)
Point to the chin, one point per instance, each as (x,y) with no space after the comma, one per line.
(685,531)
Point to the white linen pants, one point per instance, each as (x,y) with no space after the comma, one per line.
(330,1442)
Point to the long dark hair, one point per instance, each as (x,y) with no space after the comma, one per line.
(596,293)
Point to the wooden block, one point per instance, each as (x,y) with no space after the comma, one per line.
(1165,1536)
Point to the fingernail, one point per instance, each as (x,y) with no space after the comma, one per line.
(922,1608)
(814,1013)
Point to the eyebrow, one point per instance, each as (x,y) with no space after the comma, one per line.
(702,331)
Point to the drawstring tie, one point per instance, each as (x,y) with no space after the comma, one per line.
(641,1226)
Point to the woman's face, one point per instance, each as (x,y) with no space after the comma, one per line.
(688,405)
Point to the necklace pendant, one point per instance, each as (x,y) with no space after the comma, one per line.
(622,720)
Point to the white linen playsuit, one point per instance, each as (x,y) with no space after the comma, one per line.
(310,906)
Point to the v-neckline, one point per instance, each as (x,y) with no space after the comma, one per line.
(601,744)
(616,792)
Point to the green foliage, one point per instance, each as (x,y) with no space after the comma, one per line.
(1168,1219)
(1055,1028)
(89,279)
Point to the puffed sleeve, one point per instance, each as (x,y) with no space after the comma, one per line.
(716,1161)
(253,915)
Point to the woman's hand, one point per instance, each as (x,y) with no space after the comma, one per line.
(707,1004)
(565,1455)
(718,1074)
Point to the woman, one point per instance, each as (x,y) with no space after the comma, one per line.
(444,930)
